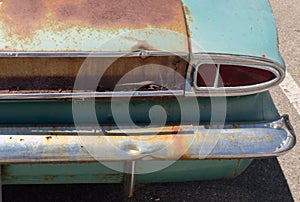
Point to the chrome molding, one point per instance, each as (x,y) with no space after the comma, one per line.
(255,62)
(37,144)
(86,95)
(141,53)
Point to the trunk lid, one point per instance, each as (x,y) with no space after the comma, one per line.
(84,25)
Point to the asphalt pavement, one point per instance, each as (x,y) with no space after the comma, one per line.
(275,179)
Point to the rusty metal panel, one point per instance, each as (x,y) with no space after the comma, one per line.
(83,25)
(58,74)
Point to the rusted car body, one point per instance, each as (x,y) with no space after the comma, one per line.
(71,69)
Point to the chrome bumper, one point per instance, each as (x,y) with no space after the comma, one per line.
(21,144)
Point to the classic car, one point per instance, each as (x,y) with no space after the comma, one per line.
(100,91)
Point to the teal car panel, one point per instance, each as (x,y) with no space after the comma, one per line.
(98,173)
(60,112)
(235,27)
(59,174)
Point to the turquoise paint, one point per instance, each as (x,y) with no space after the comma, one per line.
(193,171)
(97,173)
(59,173)
(242,166)
(258,107)
(240,27)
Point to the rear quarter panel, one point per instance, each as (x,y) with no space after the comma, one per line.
(239,27)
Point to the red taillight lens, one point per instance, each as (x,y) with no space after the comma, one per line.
(206,75)
(231,76)
(234,76)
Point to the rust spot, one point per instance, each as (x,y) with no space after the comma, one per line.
(235,125)
(50,178)
(22,140)
(49,138)
(188,14)
(267,137)
(10,138)
(22,17)
(108,177)
(253,138)
(185,157)
(176,129)
(5,174)
(140,44)
(263,55)
(188,18)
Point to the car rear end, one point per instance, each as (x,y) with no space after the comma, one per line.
(96,94)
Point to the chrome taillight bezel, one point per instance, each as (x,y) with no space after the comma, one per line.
(254,62)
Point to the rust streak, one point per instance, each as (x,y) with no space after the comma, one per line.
(188,14)
(50,178)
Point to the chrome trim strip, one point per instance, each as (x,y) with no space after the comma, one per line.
(81,95)
(37,144)
(216,82)
(254,62)
(141,53)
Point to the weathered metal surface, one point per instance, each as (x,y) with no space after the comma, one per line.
(68,144)
(192,170)
(233,27)
(97,173)
(77,25)
(59,173)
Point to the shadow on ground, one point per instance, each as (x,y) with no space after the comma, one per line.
(263,181)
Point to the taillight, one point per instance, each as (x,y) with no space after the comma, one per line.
(233,76)
(206,75)
(211,75)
